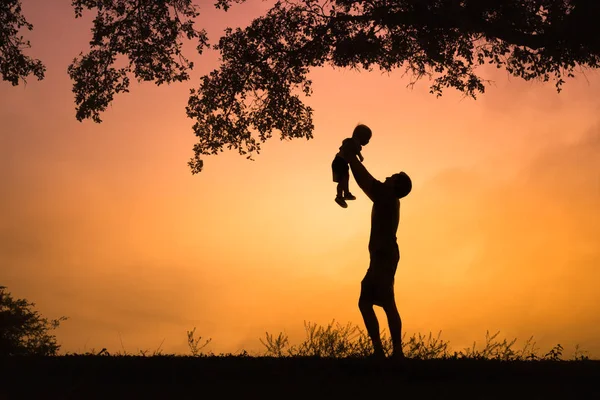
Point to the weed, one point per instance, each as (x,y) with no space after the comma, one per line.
(195,344)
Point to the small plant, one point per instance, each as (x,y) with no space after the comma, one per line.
(195,344)
(580,355)
(329,341)
(529,351)
(425,347)
(555,354)
(147,353)
(493,349)
(276,347)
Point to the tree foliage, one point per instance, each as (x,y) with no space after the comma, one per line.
(260,85)
(145,35)
(265,65)
(14,64)
(23,331)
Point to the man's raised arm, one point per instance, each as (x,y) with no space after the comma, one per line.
(363,178)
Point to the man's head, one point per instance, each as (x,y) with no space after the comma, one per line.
(362,133)
(401,183)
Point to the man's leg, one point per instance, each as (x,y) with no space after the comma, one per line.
(372,325)
(395,325)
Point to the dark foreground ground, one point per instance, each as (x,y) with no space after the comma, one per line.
(176,377)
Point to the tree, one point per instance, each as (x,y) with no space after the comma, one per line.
(148,33)
(14,65)
(264,67)
(23,331)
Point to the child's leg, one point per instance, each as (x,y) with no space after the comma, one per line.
(347,194)
(343,187)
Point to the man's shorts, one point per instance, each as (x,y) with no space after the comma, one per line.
(339,167)
(377,287)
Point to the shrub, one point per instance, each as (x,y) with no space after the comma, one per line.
(23,331)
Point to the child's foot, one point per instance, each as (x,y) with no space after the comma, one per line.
(349,196)
(340,200)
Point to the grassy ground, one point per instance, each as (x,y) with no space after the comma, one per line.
(331,362)
(109,377)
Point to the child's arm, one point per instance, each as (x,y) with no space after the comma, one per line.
(360,156)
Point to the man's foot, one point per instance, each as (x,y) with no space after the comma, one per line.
(349,196)
(340,200)
(377,355)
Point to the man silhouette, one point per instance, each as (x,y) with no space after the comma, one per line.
(377,287)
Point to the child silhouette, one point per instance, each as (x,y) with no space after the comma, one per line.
(350,147)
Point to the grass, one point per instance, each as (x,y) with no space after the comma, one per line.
(340,341)
(336,340)
(330,362)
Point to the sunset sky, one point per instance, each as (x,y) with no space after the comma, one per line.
(105,224)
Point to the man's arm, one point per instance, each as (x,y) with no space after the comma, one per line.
(363,178)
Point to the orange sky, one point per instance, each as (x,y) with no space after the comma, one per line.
(105,224)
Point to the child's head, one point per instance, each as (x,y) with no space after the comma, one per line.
(362,133)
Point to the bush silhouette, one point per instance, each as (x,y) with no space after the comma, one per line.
(23,331)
